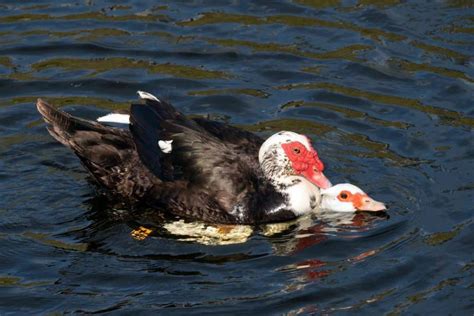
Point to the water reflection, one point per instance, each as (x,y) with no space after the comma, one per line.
(292,237)
(312,230)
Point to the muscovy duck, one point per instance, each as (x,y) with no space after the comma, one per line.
(346,197)
(196,168)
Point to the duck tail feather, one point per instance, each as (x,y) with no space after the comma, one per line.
(62,125)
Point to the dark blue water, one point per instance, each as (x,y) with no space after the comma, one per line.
(384,88)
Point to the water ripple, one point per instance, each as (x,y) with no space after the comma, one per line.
(384,89)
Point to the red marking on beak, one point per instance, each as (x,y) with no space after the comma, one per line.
(361,201)
(307,163)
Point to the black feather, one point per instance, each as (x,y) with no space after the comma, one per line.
(212,168)
(146,129)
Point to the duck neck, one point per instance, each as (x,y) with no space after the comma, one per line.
(302,196)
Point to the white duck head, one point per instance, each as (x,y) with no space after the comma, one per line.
(346,197)
(286,155)
(292,165)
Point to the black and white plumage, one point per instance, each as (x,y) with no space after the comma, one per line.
(196,168)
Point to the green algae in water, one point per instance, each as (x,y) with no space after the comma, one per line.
(378,3)
(6,61)
(436,239)
(448,116)
(299,126)
(319,4)
(439,238)
(46,240)
(250,92)
(289,20)
(446,52)
(414,67)
(312,69)
(349,113)
(349,52)
(101,65)
(99,16)
(82,35)
(12,281)
(69,100)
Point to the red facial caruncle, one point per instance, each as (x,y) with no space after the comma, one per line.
(306,163)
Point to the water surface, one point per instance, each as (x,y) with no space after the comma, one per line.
(384,88)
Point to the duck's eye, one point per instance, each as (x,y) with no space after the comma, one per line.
(345,196)
(296,151)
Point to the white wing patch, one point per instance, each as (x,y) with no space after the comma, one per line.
(146,95)
(165,146)
(238,211)
(278,208)
(115,118)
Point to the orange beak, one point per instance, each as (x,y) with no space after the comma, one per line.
(317,178)
(363,202)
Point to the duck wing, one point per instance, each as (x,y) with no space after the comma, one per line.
(195,156)
(198,145)
(221,177)
(248,142)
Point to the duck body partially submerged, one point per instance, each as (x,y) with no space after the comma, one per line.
(195,169)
